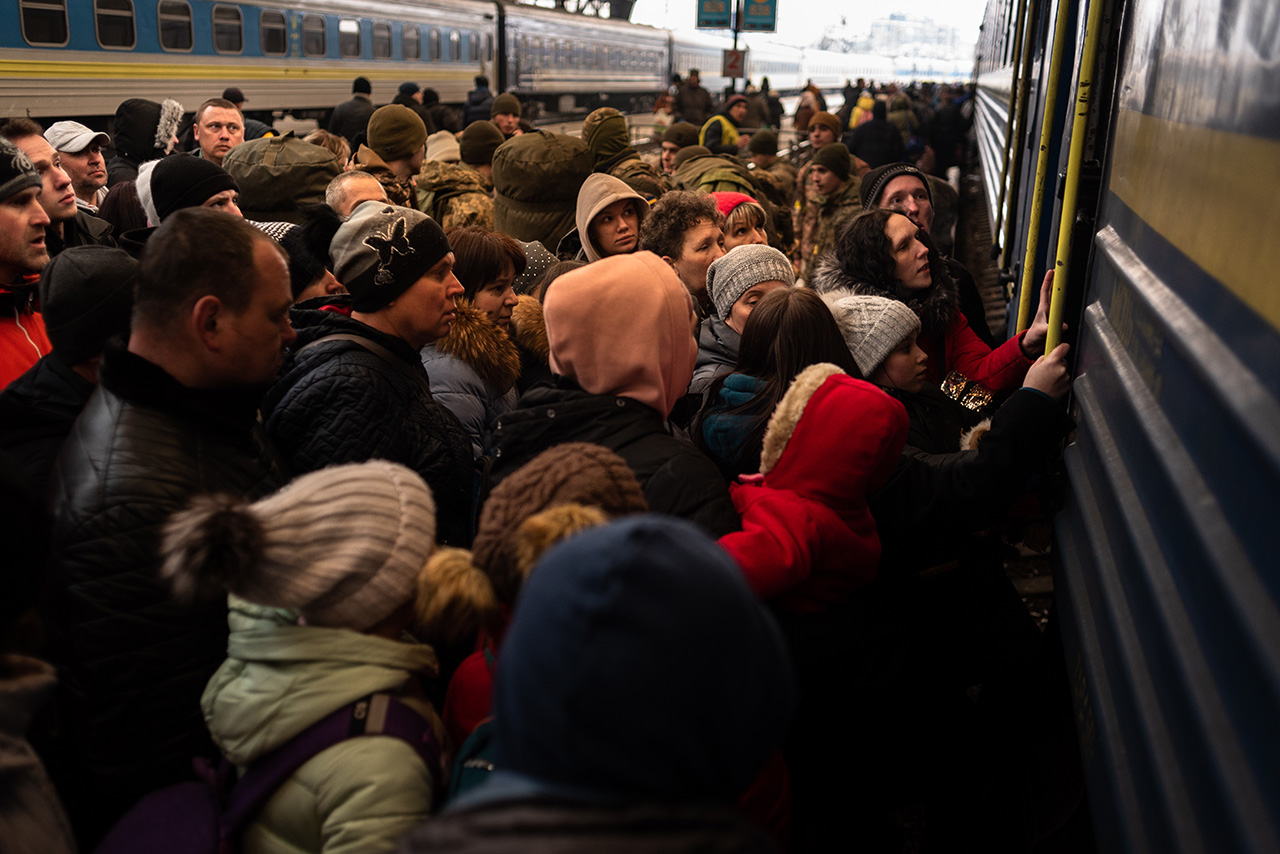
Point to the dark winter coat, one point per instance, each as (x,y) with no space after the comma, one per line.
(133,662)
(950,496)
(676,477)
(81,230)
(549,825)
(693,105)
(718,347)
(351,117)
(478,106)
(141,132)
(338,402)
(37,411)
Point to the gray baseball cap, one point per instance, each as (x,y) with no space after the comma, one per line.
(73,137)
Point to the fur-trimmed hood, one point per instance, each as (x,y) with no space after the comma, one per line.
(483,347)
(529,329)
(937,308)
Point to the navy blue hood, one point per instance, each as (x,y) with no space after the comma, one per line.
(640,666)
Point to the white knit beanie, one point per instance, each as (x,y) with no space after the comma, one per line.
(443,146)
(732,274)
(343,546)
(873,327)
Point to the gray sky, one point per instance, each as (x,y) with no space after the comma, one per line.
(802,21)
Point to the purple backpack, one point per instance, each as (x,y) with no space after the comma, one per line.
(206,816)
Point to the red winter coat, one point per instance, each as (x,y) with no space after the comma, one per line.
(808,538)
(1001,370)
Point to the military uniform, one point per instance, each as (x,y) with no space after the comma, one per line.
(820,220)
(606,134)
(455,195)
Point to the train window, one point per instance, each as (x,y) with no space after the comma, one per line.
(434,44)
(174,18)
(114,19)
(349,37)
(273,33)
(313,35)
(488,48)
(411,40)
(455,46)
(476,55)
(228,29)
(44,21)
(381,40)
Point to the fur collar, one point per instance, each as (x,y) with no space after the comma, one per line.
(529,329)
(937,309)
(785,419)
(485,348)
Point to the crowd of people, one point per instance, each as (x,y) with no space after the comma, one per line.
(439,483)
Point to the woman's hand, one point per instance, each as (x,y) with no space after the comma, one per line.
(1049,373)
(1033,341)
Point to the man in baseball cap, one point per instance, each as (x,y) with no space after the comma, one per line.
(80,154)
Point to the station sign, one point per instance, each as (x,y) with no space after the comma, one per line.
(715,14)
(734,63)
(760,16)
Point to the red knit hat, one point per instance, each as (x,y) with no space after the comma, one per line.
(727,201)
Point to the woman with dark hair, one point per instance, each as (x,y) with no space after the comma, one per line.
(883,253)
(787,331)
(474,368)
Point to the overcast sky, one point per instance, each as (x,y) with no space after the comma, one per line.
(802,21)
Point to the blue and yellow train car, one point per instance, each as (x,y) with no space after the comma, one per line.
(1168,580)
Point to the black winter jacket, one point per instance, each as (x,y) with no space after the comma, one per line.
(479,103)
(542,825)
(81,230)
(677,478)
(351,117)
(340,403)
(933,501)
(37,411)
(132,662)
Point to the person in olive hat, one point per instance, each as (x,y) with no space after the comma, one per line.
(679,135)
(476,146)
(460,194)
(833,201)
(397,145)
(607,135)
(354,388)
(505,113)
(762,150)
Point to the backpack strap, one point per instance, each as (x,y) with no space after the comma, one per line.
(377,714)
(378,350)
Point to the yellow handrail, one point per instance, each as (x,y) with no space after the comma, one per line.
(1008,127)
(1042,165)
(1057,303)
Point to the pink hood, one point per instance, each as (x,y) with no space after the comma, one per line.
(623,326)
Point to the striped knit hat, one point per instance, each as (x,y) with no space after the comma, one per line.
(342,546)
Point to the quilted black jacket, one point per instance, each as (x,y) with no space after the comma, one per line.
(36,413)
(338,402)
(132,662)
(676,477)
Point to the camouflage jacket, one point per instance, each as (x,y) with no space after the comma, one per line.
(455,195)
(398,192)
(630,169)
(820,220)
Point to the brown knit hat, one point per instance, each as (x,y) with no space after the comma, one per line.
(506,103)
(689,152)
(395,131)
(828,120)
(682,134)
(835,156)
(479,141)
(574,473)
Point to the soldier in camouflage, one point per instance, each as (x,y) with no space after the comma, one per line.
(606,134)
(835,201)
(462,194)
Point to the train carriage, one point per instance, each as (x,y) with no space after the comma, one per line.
(65,58)
(1168,580)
